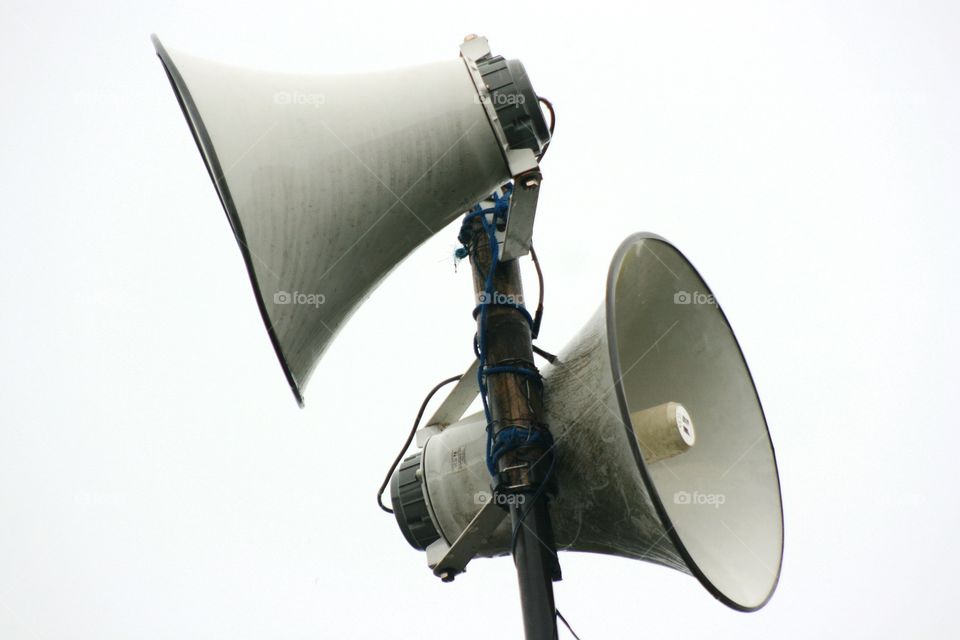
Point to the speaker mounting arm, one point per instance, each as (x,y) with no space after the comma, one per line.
(523,208)
(453,406)
(513,110)
(449,560)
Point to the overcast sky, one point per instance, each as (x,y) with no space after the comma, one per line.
(156,477)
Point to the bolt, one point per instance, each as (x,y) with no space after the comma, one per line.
(447,576)
(531,183)
(469,37)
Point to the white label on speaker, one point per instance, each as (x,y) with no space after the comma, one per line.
(685,426)
(458,459)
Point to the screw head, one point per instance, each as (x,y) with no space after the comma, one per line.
(447,576)
(469,37)
(531,183)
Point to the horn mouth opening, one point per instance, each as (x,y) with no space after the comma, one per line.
(719,501)
(215,170)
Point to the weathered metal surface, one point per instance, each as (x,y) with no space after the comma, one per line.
(713,510)
(329,182)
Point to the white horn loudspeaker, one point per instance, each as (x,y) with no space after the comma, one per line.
(330,181)
(659,434)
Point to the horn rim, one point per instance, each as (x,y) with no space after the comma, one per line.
(612,345)
(212,162)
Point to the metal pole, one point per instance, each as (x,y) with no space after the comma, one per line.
(515,400)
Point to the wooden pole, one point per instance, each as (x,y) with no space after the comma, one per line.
(515,400)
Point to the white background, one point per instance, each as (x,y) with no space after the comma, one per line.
(156,477)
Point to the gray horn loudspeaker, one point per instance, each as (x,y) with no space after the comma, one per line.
(662,448)
(330,181)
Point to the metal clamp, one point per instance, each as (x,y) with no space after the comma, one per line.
(449,560)
(522,163)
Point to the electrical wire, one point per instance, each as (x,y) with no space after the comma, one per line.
(406,445)
(524,510)
(538,316)
(567,625)
(546,355)
(553,123)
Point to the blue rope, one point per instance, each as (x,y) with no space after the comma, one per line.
(513,305)
(523,371)
(512,437)
(499,211)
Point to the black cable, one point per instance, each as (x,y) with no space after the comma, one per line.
(538,316)
(567,625)
(546,355)
(406,445)
(537,495)
(553,123)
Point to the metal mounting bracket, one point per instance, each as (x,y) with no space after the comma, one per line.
(453,406)
(446,560)
(521,163)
